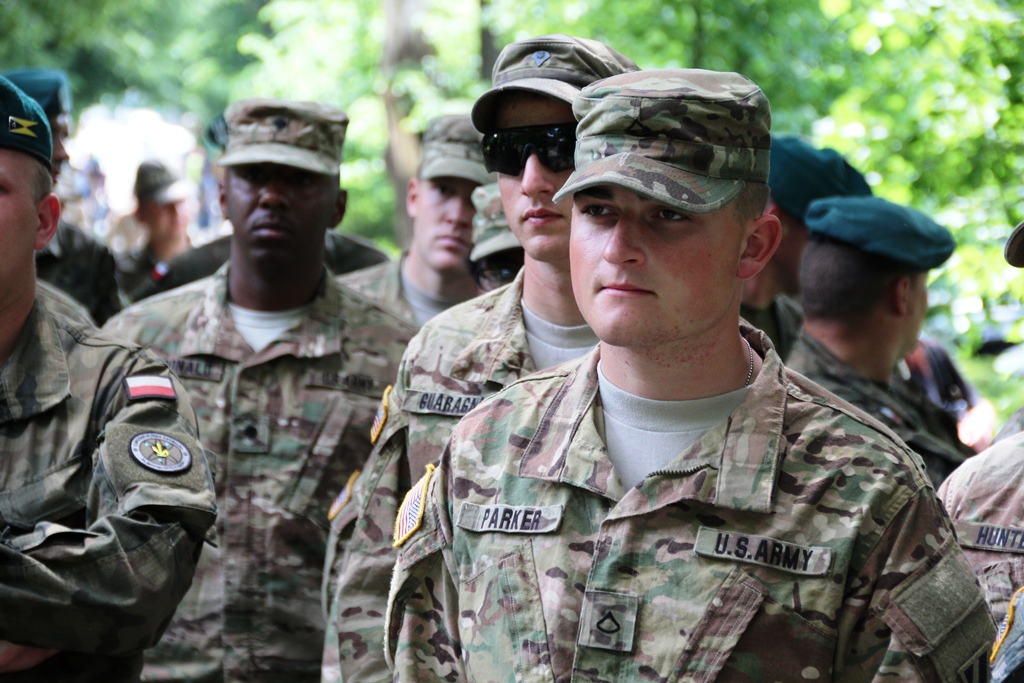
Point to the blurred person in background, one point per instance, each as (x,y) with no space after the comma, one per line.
(72,261)
(432,276)
(162,212)
(497,255)
(864,285)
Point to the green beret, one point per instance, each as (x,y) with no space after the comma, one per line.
(23,125)
(879,227)
(800,174)
(48,87)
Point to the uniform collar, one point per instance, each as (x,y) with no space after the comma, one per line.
(500,347)
(35,377)
(732,466)
(210,329)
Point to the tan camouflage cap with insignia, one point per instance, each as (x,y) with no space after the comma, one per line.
(688,138)
(306,135)
(491,232)
(555,65)
(451,149)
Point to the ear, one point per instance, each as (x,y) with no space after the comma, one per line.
(340,204)
(898,296)
(410,197)
(48,213)
(763,236)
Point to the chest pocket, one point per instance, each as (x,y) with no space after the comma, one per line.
(307,493)
(54,496)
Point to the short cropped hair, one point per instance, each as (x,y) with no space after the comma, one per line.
(841,283)
(42,182)
(752,200)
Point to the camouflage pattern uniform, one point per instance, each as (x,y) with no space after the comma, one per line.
(781,321)
(82,267)
(288,427)
(985,499)
(97,545)
(61,304)
(381,284)
(918,421)
(1015,425)
(464,354)
(459,357)
(798,540)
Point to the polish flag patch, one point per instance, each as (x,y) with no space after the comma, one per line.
(149,386)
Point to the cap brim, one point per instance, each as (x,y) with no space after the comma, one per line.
(483,113)
(277,153)
(502,242)
(664,183)
(473,171)
(1014,251)
(173,193)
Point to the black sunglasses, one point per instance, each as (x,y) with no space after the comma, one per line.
(507,150)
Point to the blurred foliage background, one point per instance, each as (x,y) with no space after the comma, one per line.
(924,96)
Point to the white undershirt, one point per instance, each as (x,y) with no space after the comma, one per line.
(644,435)
(551,344)
(423,304)
(260,328)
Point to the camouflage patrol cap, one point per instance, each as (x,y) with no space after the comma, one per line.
(23,124)
(491,232)
(155,182)
(1014,250)
(451,149)
(48,87)
(876,226)
(687,138)
(555,65)
(306,135)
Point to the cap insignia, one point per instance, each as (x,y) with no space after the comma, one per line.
(21,126)
(540,56)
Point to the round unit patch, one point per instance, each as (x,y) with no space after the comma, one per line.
(160,453)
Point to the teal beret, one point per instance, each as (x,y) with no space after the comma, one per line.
(23,125)
(879,227)
(48,87)
(799,174)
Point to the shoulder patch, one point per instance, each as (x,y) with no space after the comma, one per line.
(765,551)
(1007,626)
(140,387)
(343,498)
(410,514)
(160,453)
(381,418)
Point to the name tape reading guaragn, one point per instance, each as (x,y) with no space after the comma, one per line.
(763,550)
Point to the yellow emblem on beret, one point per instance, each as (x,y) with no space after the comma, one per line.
(21,126)
(410,515)
(381,418)
(343,498)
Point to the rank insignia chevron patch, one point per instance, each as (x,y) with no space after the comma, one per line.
(381,418)
(410,515)
(343,498)
(21,126)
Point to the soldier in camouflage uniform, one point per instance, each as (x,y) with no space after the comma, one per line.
(72,261)
(799,174)
(106,495)
(286,370)
(985,499)
(497,255)
(472,350)
(432,276)
(864,283)
(759,530)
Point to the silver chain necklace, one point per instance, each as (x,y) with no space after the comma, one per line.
(750,370)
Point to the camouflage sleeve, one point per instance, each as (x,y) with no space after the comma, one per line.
(422,635)
(356,630)
(917,611)
(110,585)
